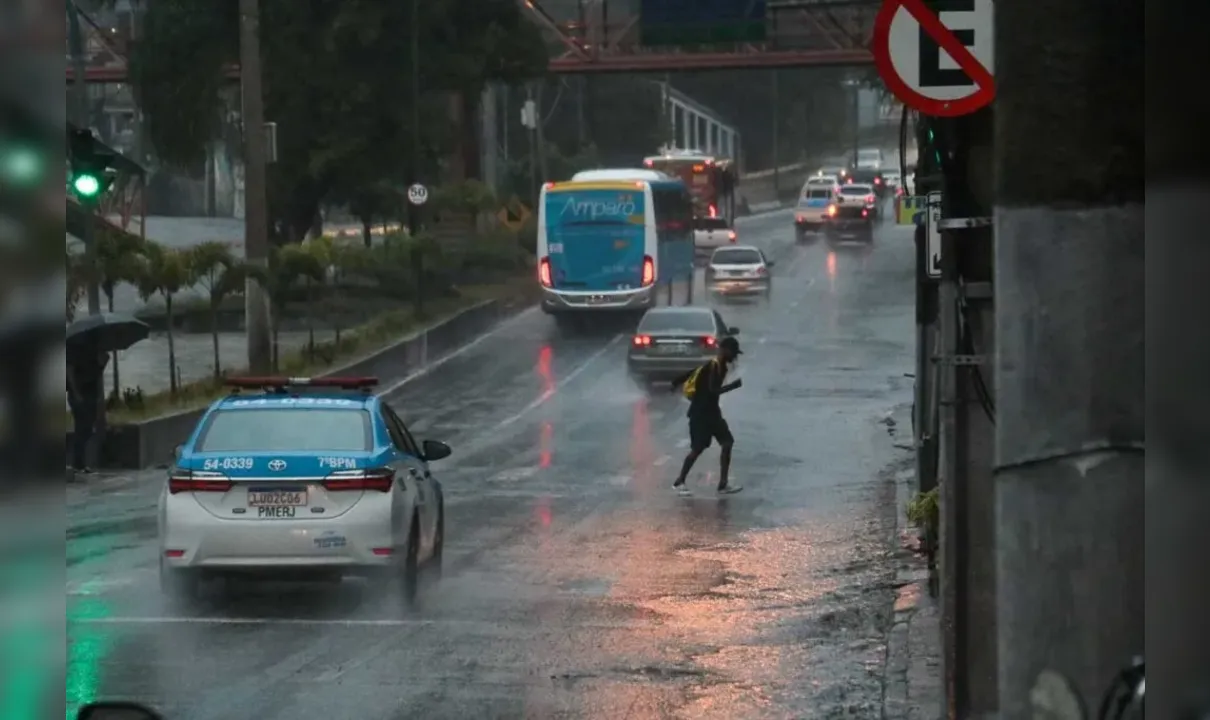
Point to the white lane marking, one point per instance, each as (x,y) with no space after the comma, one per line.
(762,341)
(619,480)
(548,394)
(515,474)
(456,353)
(662,460)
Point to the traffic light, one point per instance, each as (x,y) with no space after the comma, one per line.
(90,163)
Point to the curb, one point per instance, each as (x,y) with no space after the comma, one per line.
(152,442)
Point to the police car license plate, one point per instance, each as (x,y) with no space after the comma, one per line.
(277,502)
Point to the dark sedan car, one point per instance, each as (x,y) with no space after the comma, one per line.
(671,341)
(866,176)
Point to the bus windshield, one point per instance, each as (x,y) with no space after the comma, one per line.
(595,238)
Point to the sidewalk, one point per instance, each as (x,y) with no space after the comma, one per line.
(912,686)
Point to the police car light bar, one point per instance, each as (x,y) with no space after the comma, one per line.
(347,383)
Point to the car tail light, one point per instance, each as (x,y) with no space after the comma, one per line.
(195,481)
(848,181)
(649,163)
(870,198)
(648,270)
(762,271)
(713,211)
(831,211)
(877,181)
(710,341)
(544,276)
(731,236)
(865,213)
(377,479)
(641,340)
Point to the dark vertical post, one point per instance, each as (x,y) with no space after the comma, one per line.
(776,134)
(417,252)
(1069,370)
(256,210)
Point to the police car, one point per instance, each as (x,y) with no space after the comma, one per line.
(290,477)
(811,212)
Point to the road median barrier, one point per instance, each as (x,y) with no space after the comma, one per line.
(147,443)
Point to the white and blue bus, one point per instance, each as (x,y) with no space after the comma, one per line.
(608,239)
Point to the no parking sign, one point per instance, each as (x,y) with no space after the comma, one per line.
(938,61)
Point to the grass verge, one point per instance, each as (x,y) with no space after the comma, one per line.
(355,343)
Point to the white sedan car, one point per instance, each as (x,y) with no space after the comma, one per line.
(301,479)
(712,232)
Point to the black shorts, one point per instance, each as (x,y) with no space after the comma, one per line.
(704,428)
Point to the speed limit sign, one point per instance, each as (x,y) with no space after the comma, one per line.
(418,194)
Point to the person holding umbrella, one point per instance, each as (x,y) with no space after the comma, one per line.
(85,375)
(90,340)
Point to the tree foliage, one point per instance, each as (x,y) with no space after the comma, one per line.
(337,81)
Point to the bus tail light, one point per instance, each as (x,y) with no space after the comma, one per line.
(731,236)
(544,276)
(648,270)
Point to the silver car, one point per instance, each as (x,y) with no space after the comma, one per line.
(671,341)
(739,270)
(274,485)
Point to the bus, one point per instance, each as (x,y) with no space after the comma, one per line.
(711,180)
(609,239)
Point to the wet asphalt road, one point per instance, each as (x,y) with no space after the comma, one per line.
(576,584)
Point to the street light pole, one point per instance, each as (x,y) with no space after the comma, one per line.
(413,208)
(256,212)
(80,96)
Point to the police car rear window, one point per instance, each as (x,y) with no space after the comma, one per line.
(287,430)
(818,193)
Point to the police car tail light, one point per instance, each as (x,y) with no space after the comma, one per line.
(544,276)
(181,481)
(377,479)
(648,270)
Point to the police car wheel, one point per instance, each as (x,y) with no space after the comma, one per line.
(435,560)
(409,569)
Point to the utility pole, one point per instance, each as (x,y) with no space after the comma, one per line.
(539,135)
(1069,479)
(256,212)
(530,119)
(776,128)
(414,209)
(80,96)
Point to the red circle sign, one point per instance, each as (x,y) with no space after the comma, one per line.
(984,84)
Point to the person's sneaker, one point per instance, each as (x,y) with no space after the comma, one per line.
(681,488)
(730,489)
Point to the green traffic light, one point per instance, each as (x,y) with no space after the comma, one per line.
(86,185)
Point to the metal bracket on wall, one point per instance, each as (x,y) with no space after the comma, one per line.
(960,359)
(964,223)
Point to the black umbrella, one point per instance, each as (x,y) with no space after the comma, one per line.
(107,332)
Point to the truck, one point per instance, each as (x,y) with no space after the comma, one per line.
(711,180)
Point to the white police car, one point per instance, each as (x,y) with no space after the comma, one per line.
(301,477)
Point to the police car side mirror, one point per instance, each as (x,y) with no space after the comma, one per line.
(434,450)
(733,331)
(117,711)
(176,452)
(770,263)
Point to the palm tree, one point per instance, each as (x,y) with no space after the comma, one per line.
(217,270)
(119,260)
(287,265)
(164,271)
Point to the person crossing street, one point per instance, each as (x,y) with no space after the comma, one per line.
(704,386)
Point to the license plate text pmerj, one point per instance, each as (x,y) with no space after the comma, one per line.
(277,503)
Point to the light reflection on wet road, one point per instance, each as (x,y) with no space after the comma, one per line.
(576,583)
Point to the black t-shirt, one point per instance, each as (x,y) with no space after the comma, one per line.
(708,389)
(87,374)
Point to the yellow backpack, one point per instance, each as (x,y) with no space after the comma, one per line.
(689,389)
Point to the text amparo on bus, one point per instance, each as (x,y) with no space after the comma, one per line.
(711,180)
(608,239)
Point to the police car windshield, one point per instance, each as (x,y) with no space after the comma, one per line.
(287,430)
(666,320)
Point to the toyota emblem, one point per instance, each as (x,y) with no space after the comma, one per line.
(277,465)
